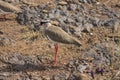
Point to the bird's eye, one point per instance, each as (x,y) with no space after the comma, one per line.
(41,23)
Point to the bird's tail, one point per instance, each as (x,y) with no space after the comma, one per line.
(77,42)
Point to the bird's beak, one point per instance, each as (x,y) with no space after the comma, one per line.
(44,21)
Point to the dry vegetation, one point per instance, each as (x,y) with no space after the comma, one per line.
(26,41)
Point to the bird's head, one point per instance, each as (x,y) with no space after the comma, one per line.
(46,23)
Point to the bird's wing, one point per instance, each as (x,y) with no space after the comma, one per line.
(59,35)
(9,7)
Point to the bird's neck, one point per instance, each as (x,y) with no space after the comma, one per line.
(48,24)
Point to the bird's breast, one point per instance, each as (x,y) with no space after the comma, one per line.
(58,35)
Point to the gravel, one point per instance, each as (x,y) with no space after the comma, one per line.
(61,76)
(5,41)
(69,15)
(74,17)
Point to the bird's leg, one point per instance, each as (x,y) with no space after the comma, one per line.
(4,17)
(56,50)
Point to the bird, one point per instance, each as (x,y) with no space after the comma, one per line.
(7,8)
(58,35)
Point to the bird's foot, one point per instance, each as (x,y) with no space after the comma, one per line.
(53,63)
(3,19)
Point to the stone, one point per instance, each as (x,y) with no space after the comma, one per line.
(51,16)
(109,22)
(83,77)
(90,1)
(79,76)
(61,10)
(94,21)
(57,13)
(82,1)
(116,26)
(1,32)
(70,20)
(81,68)
(10,76)
(62,3)
(88,27)
(5,41)
(45,11)
(36,78)
(62,76)
(13,1)
(16,59)
(78,30)
(46,78)
(72,7)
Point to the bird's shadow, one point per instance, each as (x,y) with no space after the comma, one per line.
(6,19)
(11,67)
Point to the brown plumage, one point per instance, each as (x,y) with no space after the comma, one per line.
(58,35)
(7,7)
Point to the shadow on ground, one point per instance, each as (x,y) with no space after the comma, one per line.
(11,67)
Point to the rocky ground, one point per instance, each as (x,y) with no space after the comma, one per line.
(26,54)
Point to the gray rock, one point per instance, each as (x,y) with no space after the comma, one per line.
(87,1)
(64,8)
(57,12)
(46,78)
(77,65)
(81,68)
(16,58)
(32,15)
(79,19)
(62,19)
(70,20)
(72,7)
(62,3)
(94,21)
(21,19)
(63,13)
(78,30)
(51,15)
(36,78)
(79,76)
(45,58)
(13,1)
(100,54)
(109,22)
(4,41)
(68,14)
(61,76)
(9,76)
(88,27)
(1,32)
(116,26)
(90,1)
(82,1)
